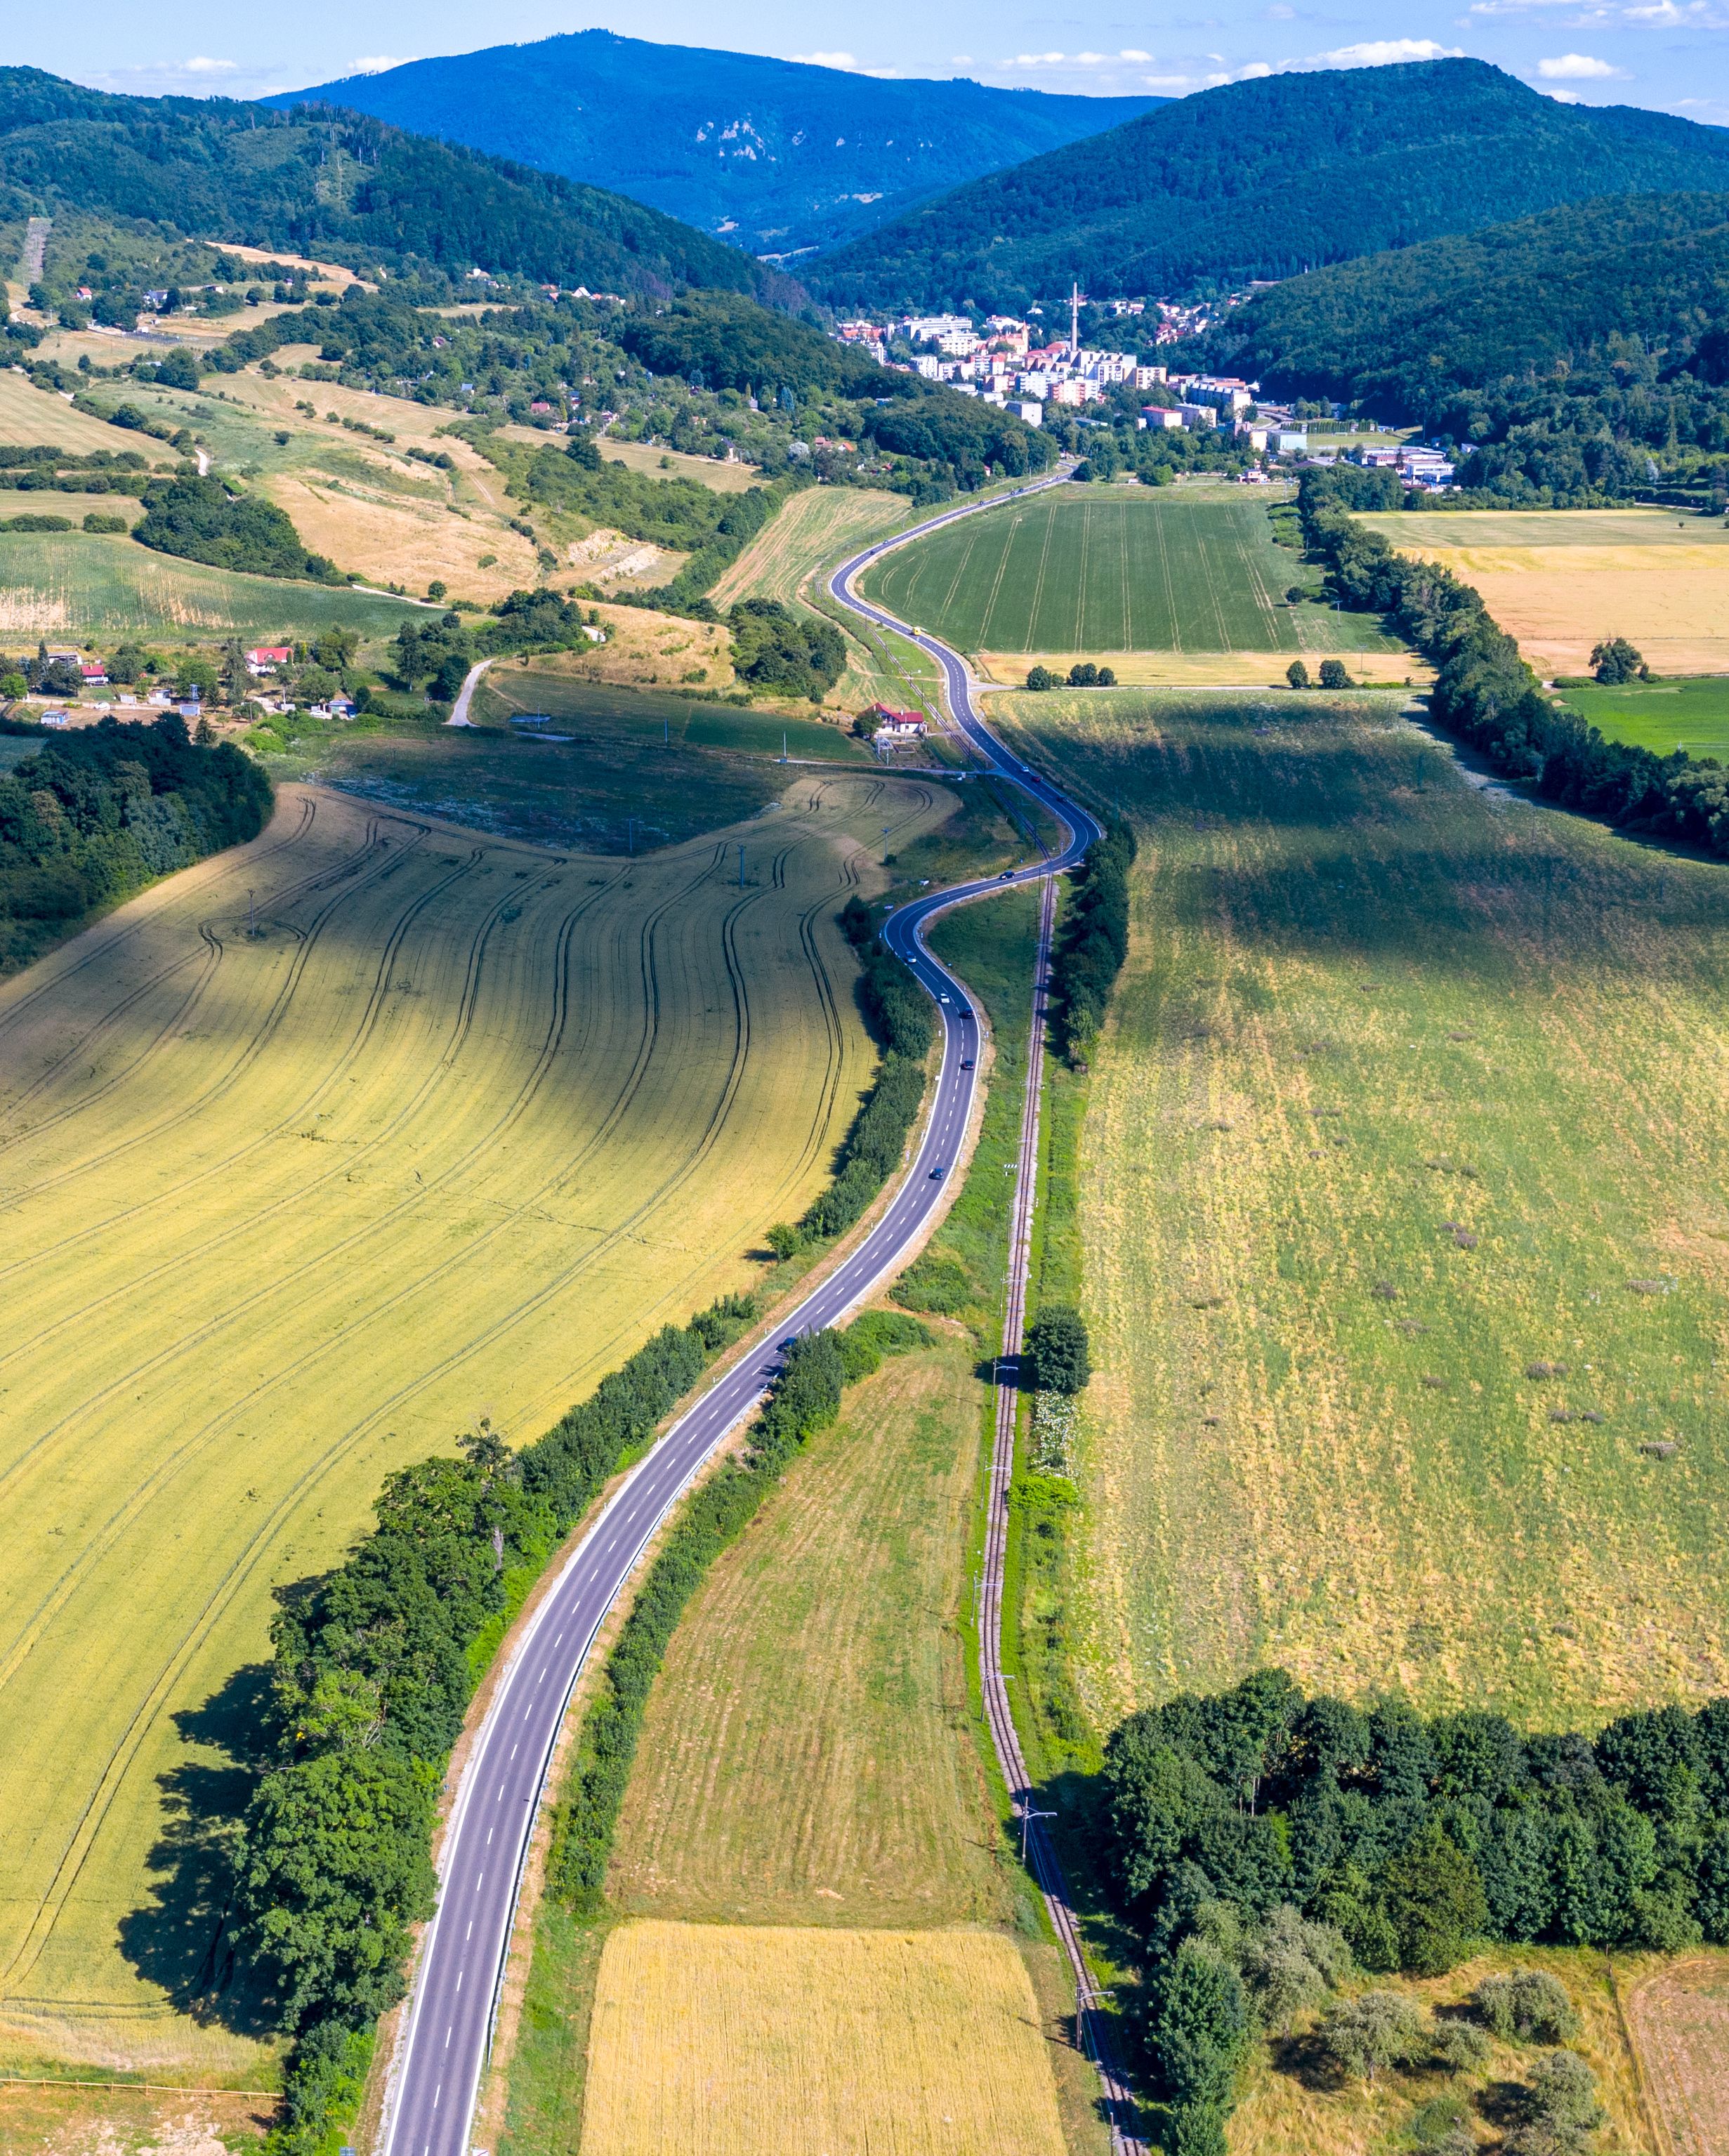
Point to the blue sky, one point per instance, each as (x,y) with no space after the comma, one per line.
(1672,55)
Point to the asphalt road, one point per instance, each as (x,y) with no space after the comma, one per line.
(459,1972)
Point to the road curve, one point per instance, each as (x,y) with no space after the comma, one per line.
(459,1971)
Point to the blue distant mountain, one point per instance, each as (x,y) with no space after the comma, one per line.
(774,156)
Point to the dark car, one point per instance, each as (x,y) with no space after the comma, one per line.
(965,1062)
(1007,876)
(936,1174)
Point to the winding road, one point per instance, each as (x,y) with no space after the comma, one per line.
(459,1972)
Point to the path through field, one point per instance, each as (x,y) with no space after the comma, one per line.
(446,1137)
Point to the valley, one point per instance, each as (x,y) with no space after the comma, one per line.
(862,945)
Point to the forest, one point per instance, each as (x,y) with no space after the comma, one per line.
(338,184)
(97,813)
(1267,1845)
(1566,352)
(1266,179)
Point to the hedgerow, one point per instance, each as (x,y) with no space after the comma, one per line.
(1095,942)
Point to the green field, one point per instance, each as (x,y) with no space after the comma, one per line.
(74,584)
(614,770)
(1132,570)
(1661,716)
(447,1138)
(1405,1210)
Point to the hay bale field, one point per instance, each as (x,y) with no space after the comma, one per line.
(459,1127)
(1407,1219)
(737,2041)
(1561,581)
(1126,569)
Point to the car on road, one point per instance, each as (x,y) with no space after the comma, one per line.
(965,1062)
(937,1174)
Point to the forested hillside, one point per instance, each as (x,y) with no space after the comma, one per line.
(775,155)
(1264,179)
(97,813)
(339,184)
(1572,348)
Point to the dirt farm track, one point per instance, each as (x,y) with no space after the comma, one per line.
(309,1159)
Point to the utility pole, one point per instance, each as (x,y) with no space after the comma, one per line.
(251,918)
(1028,1813)
(784,758)
(740,868)
(629,835)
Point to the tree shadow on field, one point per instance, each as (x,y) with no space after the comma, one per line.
(181,1939)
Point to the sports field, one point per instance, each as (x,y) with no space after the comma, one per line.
(1405,1208)
(446,1138)
(741,2041)
(1563,580)
(1077,571)
(1661,716)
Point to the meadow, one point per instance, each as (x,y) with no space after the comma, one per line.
(313,1155)
(1405,1217)
(1095,572)
(1561,580)
(1660,715)
(77,584)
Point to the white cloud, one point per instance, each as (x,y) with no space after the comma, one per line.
(960,59)
(380,61)
(1128,54)
(1385,52)
(200,66)
(1278,13)
(1578,67)
(826,59)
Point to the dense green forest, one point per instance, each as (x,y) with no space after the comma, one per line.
(823,153)
(339,184)
(1266,179)
(94,814)
(1573,349)
(199,520)
(1267,1845)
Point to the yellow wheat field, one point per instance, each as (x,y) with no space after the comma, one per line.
(458,1127)
(1562,581)
(754,2040)
(815,526)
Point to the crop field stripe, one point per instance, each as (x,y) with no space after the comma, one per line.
(1128,582)
(1172,614)
(990,605)
(213,1093)
(1033,611)
(677,1173)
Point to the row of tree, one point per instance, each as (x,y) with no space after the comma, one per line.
(375,1663)
(898,1014)
(805,1397)
(1487,694)
(1094,941)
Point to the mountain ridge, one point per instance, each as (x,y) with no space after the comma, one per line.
(345,185)
(1263,179)
(740,145)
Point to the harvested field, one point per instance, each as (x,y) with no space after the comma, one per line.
(128,2121)
(816,2043)
(1378,666)
(642,649)
(1096,573)
(397,542)
(462,1125)
(1679,2016)
(1561,581)
(1406,1211)
(29,415)
(821,525)
(674,464)
(806,1758)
